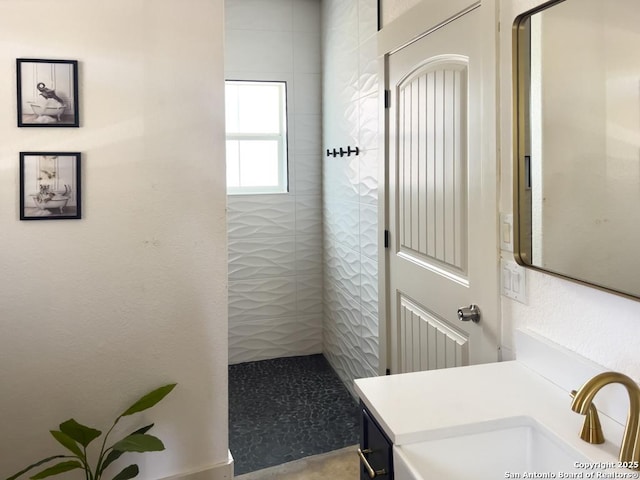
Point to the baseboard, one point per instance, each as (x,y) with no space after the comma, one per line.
(222,471)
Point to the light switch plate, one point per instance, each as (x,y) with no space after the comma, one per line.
(506,232)
(513,280)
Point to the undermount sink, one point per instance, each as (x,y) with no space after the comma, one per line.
(505,448)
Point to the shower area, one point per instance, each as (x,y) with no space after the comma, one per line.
(303,265)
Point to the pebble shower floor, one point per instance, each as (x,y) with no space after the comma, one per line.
(284,409)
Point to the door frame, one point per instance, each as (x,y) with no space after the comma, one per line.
(413,25)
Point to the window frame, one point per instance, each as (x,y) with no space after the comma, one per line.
(282,139)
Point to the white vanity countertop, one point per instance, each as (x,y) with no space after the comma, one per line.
(413,407)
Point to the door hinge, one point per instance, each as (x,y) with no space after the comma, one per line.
(386,239)
(387,99)
(527,172)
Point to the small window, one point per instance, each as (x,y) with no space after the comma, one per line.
(256,124)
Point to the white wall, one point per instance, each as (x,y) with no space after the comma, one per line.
(275,241)
(98,311)
(350,187)
(598,325)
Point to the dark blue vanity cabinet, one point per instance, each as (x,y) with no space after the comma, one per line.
(376,454)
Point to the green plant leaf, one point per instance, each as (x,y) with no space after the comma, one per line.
(57,469)
(149,400)
(37,464)
(139,443)
(80,433)
(115,454)
(144,429)
(67,442)
(127,473)
(112,456)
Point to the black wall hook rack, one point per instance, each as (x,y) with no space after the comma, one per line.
(342,152)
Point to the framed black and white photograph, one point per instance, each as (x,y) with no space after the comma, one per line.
(47,93)
(50,186)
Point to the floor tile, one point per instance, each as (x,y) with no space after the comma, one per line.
(285,409)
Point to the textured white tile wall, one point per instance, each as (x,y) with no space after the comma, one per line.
(274,15)
(350,187)
(275,241)
(276,260)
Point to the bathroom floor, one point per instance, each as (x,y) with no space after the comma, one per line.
(340,464)
(285,409)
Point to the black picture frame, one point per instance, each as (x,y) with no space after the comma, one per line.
(47,93)
(50,186)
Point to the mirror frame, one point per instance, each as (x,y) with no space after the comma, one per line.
(522,198)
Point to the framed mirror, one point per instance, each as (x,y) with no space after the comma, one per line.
(577,142)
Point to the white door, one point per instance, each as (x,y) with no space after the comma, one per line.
(441,200)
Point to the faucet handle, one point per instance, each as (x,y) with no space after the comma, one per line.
(591,429)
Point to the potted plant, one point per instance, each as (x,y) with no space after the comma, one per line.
(76,437)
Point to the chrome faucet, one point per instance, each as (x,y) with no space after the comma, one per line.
(630,449)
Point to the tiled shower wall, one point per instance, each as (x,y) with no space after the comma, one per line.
(275,241)
(350,187)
